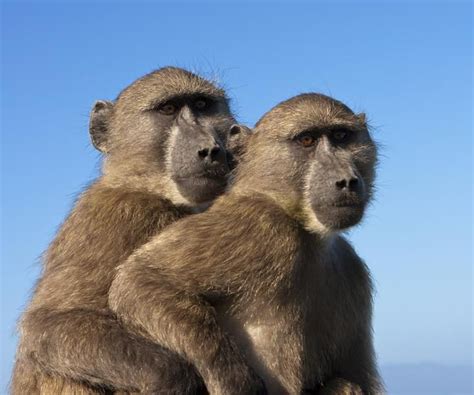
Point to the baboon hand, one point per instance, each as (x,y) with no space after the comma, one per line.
(340,387)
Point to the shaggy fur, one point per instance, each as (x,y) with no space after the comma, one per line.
(257,287)
(70,341)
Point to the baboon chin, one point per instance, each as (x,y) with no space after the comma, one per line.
(252,292)
(339,198)
(345,210)
(337,218)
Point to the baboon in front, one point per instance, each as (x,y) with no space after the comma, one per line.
(164,141)
(262,290)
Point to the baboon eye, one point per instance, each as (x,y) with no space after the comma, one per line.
(200,104)
(168,109)
(306,139)
(340,135)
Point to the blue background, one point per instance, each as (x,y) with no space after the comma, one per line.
(407,64)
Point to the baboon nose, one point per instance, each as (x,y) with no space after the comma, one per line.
(350,184)
(215,154)
(203,153)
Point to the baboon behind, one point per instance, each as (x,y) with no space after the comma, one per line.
(263,285)
(164,140)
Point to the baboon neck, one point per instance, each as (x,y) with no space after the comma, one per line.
(148,182)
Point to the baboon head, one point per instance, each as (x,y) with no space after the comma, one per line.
(168,131)
(315,158)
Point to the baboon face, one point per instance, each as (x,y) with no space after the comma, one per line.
(170,124)
(322,153)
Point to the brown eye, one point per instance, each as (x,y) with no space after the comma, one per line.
(168,109)
(306,140)
(200,104)
(340,135)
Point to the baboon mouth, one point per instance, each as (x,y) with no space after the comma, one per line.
(346,203)
(203,177)
(208,180)
(340,215)
(201,187)
(215,174)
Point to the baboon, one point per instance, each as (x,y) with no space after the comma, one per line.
(263,285)
(164,140)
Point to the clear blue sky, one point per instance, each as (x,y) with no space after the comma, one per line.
(407,64)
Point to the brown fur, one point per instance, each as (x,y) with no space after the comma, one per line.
(256,287)
(70,341)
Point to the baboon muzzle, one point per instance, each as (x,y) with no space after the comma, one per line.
(198,159)
(337,192)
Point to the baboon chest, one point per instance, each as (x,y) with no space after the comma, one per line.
(289,340)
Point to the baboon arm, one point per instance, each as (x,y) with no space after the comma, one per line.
(182,322)
(163,289)
(93,347)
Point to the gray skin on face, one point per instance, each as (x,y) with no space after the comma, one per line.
(198,163)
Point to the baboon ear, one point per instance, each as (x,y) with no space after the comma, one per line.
(236,129)
(238,136)
(236,143)
(99,124)
(362,118)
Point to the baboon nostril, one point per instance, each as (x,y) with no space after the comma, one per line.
(350,185)
(203,153)
(215,153)
(341,184)
(353,183)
